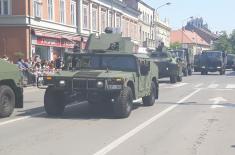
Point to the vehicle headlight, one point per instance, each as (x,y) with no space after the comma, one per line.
(100,84)
(203,67)
(62,83)
(218,67)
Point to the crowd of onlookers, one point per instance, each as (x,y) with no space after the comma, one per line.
(34,67)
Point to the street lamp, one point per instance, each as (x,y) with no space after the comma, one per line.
(182,35)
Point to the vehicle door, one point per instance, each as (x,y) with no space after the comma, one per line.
(144,76)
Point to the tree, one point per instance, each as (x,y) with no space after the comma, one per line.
(232,41)
(175,45)
(223,42)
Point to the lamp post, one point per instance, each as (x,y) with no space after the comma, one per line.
(182,31)
(155,18)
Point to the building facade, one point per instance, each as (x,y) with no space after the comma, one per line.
(96,15)
(38,27)
(163,31)
(189,39)
(48,28)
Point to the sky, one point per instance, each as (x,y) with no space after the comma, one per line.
(218,14)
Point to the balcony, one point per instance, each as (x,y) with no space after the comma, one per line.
(149,43)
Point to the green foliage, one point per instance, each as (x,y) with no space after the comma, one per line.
(225,42)
(175,45)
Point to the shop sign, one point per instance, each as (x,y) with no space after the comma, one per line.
(53,42)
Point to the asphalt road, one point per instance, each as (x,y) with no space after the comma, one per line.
(194,117)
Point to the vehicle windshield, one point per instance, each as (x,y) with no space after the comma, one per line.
(160,55)
(104,61)
(213,54)
(178,54)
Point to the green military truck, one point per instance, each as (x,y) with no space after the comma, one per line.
(230,62)
(213,61)
(107,73)
(168,66)
(185,56)
(11,91)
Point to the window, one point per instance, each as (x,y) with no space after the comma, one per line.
(110,21)
(94,18)
(85,16)
(62,11)
(37,8)
(118,21)
(103,19)
(50,9)
(73,13)
(5,7)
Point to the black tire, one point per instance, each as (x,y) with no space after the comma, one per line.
(7,101)
(123,107)
(173,79)
(185,72)
(150,100)
(54,102)
(157,91)
(179,78)
(190,72)
(221,72)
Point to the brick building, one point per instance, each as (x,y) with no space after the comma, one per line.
(42,27)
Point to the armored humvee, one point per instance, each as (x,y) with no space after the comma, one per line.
(106,72)
(186,57)
(168,66)
(11,91)
(213,61)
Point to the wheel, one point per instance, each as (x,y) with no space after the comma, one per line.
(7,101)
(123,107)
(185,72)
(54,102)
(150,100)
(202,73)
(190,72)
(173,79)
(221,72)
(179,78)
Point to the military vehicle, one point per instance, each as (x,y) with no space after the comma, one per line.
(187,59)
(107,73)
(168,66)
(11,91)
(213,61)
(230,61)
(196,67)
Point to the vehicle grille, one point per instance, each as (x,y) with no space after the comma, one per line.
(84,83)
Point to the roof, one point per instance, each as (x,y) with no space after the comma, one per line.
(187,37)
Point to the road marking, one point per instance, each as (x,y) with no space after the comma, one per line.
(230,86)
(140,127)
(213,86)
(35,115)
(198,85)
(216,102)
(177,85)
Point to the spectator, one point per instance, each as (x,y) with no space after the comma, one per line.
(58,62)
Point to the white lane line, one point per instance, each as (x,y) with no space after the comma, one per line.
(212,86)
(177,85)
(140,127)
(230,86)
(35,115)
(198,85)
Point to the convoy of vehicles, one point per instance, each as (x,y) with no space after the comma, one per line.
(11,91)
(107,73)
(168,66)
(212,61)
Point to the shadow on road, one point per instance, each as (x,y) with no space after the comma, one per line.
(78,111)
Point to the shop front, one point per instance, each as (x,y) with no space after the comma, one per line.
(51,46)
